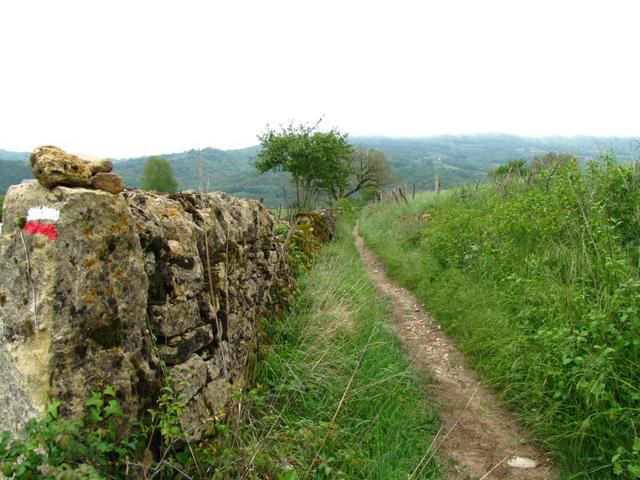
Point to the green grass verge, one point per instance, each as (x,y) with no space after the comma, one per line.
(336,397)
(537,282)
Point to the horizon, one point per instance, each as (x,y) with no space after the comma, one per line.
(595,138)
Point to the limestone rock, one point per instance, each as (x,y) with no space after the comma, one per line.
(109,182)
(329,219)
(86,325)
(189,377)
(122,281)
(98,165)
(216,394)
(174,318)
(52,166)
(179,349)
(197,420)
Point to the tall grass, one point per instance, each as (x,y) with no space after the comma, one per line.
(336,397)
(537,279)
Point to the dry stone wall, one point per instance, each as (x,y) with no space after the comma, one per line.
(102,289)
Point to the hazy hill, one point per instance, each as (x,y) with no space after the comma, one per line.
(456,159)
(229,171)
(14,167)
(462,158)
(7,155)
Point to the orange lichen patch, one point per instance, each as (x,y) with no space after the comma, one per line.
(119,273)
(141,228)
(171,213)
(90,298)
(90,262)
(121,226)
(109,291)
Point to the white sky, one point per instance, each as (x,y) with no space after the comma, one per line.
(124,78)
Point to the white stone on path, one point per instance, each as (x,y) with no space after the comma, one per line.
(522,462)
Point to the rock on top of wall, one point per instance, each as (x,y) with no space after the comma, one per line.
(54,167)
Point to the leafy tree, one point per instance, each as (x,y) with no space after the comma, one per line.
(368,169)
(158,175)
(512,167)
(317,161)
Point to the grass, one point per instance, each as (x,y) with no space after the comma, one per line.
(336,397)
(536,279)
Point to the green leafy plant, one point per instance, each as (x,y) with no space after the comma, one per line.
(59,448)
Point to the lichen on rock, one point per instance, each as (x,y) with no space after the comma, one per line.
(128,283)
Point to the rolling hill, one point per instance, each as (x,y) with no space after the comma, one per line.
(456,159)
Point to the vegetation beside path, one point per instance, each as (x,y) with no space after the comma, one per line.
(336,396)
(536,277)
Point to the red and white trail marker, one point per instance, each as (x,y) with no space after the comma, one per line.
(41,221)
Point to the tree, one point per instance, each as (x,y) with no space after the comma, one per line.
(158,175)
(317,161)
(368,169)
(512,167)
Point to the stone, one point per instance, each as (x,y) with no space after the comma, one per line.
(108,182)
(522,462)
(179,349)
(174,318)
(214,367)
(52,166)
(216,394)
(189,377)
(86,326)
(197,420)
(98,165)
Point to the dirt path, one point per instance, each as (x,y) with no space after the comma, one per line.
(482,435)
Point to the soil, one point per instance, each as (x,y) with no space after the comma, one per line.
(478,435)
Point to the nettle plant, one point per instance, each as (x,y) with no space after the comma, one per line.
(67,449)
(93,447)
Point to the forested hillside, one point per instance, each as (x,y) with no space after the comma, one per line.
(459,159)
(536,277)
(230,171)
(13,172)
(455,159)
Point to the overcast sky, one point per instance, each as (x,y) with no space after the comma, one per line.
(124,78)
